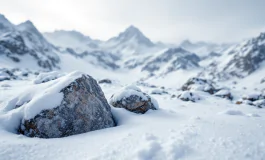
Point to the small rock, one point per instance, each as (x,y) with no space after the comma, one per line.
(133,99)
(189,96)
(200,84)
(224,94)
(108,81)
(159,91)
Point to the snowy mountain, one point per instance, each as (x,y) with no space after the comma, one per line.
(72,39)
(5,25)
(239,60)
(130,42)
(100,59)
(171,60)
(203,49)
(133,99)
(24,46)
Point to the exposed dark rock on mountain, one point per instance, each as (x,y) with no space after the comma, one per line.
(175,59)
(238,61)
(24,40)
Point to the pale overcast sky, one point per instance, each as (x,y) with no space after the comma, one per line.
(164,20)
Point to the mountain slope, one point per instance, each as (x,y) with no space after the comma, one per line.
(169,60)
(130,42)
(203,49)
(72,39)
(238,61)
(24,46)
(100,59)
(5,25)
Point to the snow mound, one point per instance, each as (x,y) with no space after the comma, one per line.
(252,96)
(132,87)
(128,91)
(47,76)
(224,93)
(189,96)
(260,103)
(253,115)
(233,112)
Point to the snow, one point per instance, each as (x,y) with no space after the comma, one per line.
(47,76)
(70,39)
(178,130)
(252,96)
(208,128)
(158,91)
(222,92)
(190,96)
(260,103)
(40,97)
(132,87)
(127,92)
(232,112)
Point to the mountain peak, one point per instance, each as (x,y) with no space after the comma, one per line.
(132,28)
(2,16)
(27,25)
(132,34)
(5,25)
(77,36)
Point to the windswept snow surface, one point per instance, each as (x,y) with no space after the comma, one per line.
(212,128)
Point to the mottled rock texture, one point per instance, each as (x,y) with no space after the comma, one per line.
(133,100)
(84,108)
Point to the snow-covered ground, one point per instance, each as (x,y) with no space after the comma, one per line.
(192,123)
(211,128)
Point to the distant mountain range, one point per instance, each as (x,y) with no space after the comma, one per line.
(239,60)
(24,46)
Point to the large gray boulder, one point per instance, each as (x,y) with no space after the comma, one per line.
(83,108)
(133,99)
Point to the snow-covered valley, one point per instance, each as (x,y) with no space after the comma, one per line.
(64,95)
